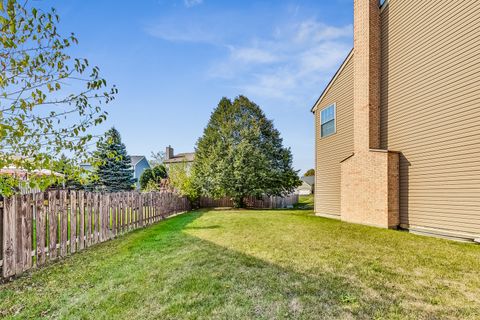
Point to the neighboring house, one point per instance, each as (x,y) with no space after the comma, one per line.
(308,183)
(397,128)
(139,164)
(171,158)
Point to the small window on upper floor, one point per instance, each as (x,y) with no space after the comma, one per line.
(327,121)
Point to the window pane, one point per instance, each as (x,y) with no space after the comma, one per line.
(328,121)
(328,114)
(328,128)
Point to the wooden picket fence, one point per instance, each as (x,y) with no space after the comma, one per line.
(45,226)
(264,202)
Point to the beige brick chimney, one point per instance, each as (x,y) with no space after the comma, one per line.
(369,178)
(169,153)
(366,74)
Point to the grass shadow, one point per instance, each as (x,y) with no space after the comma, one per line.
(173,271)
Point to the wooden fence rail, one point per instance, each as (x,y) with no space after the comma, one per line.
(45,226)
(264,202)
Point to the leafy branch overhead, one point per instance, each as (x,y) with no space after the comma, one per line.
(48,99)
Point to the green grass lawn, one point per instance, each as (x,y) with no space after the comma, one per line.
(305,202)
(255,264)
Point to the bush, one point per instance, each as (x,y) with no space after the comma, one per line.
(152,177)
(182,180)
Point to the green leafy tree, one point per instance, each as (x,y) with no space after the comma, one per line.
(153,176)
(151,186)
(112,164)
(48,99)
(183,181)
(310,173)
(8,185)
(241,154)
(69,171)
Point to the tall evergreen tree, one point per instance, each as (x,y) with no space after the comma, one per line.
(113,166)
(241,154)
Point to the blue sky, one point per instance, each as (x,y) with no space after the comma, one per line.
(173,60)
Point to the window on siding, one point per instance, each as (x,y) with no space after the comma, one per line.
(327,121)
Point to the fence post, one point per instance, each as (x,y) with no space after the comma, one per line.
(90,218)
(53,224)
(113,205)
(106,214)
(9,237)
(96,224)
(81,220)
(63,223)
(27,232)
(127,211)
(140,199)
(101,218)
(73,221)
(41,228)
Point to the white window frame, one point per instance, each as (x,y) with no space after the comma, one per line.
(334,105)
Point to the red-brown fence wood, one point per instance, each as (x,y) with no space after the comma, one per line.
(9,236)
(24,261)
(41,227)
(63,222)
(53,224)
(264,202)
(88,219)
(73,222)
(81,220)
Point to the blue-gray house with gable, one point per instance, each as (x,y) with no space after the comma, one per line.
(139,164)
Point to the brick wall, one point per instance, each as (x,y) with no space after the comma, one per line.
(370,178)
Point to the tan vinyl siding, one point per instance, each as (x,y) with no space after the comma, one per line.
(333,149)
(430,110)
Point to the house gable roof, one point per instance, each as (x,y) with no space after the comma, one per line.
(136,159)
(182,157)
(310,180)
(330,84)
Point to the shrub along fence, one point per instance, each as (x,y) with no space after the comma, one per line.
(45,226)
(264,202)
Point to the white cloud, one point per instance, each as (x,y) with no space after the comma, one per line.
(292,61)
(314,31)
(252,55)
(180,30)
(182,34)
(296,60)
(192,3)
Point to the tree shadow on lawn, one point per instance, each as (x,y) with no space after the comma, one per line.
(163,272)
